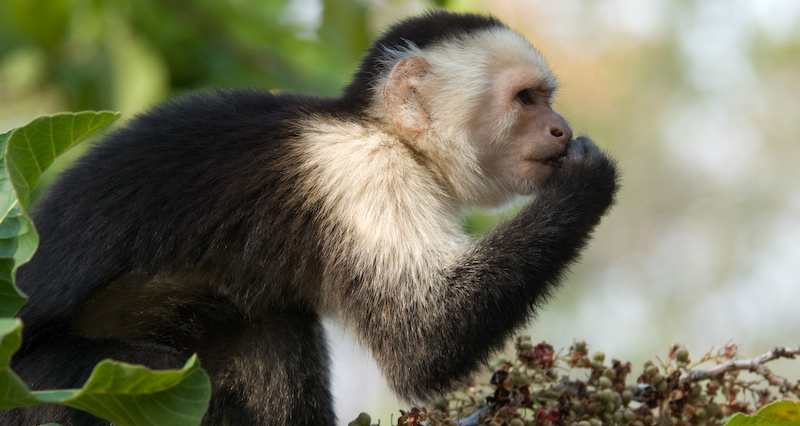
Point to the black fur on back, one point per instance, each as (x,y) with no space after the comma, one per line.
(182,230)
(176,188)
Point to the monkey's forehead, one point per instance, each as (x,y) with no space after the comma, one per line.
(488,51)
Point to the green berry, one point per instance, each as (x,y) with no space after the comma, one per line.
(627,396)
(583,423)
(519,378)
(516,422)
(701,414)
(610,373)
(655,380)
(364,419)
(597,407)
(651,370)
(682,355)
(595,422)
(604,382)
(662,386)
(628,416)
(598,356)
(525,345)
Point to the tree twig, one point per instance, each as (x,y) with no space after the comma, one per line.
(755,365)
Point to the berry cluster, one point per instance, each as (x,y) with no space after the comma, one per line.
(536,389)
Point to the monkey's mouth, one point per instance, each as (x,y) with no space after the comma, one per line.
(554,160)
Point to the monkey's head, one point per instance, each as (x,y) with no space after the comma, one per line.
(474,100)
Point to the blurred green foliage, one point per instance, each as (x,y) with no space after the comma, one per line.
(127,54)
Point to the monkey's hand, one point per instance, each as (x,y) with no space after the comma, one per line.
(586,181)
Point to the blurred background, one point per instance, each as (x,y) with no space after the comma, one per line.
(698,99)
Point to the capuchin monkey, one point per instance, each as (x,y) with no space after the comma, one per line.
(226,224)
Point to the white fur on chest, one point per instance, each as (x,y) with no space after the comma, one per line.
(389,217)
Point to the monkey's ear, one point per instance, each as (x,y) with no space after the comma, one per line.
(402,102)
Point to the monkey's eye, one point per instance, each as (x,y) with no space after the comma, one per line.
(525,96)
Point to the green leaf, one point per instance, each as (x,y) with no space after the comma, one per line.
(13,393)
(780,413)
(132,395)
(32,148)
(27,152)
(13,227)
(18,241)
(128,395)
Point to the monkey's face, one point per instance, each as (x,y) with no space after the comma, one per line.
(480,112)
(520,137)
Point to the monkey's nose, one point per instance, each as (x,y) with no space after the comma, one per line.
(558,128)
(561,131)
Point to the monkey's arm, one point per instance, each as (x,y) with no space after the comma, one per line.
(426,345)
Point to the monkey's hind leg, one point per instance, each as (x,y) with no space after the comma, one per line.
(274,372)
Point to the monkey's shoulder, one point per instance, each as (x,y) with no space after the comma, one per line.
(199,130)
(224,113)
(200,146)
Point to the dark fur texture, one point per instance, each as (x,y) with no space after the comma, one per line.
(185,231)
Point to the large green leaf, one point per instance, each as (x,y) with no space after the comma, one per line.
(33,147)
(15,231)
(128,395)
(13,393)
(132,395)
(781,413)
(27,152)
